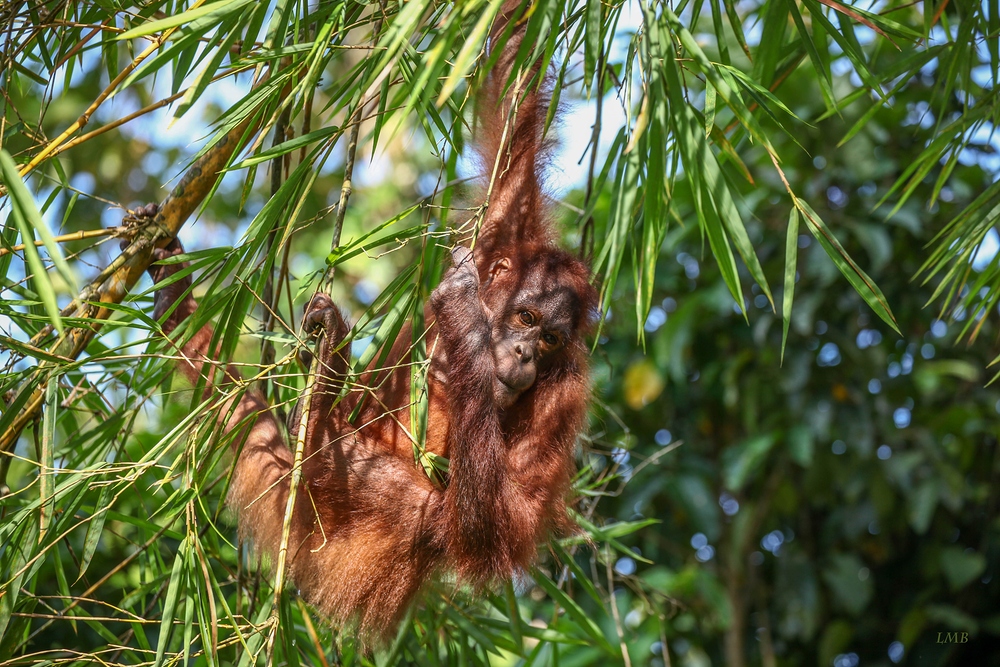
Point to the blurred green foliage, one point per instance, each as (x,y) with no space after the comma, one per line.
(842,501)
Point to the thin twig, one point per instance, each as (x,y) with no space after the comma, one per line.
(270,296)
(614,607)
(66,238)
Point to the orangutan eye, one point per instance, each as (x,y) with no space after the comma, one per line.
(550,339)
(527,318)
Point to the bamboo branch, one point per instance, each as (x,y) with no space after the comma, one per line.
(286,526)
(345,194)
(66,238)
(79,45)
(609,563)
(270,296)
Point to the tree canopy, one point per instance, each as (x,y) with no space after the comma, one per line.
(790,210)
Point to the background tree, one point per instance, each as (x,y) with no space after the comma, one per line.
(835,497)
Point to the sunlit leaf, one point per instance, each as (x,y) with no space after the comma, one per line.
(791,258)
(860,280)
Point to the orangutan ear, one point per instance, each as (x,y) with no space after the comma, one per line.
(499,267)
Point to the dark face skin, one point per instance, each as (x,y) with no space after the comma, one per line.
(532,322)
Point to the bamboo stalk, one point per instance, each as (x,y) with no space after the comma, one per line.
(286,526)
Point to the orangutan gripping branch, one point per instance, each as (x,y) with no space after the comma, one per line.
(508,392)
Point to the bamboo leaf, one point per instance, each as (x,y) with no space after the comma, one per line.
(47,463)
(94,529)
(860,280)
(207,73)
(470,48)
(20,551)
(594,42)
(729,95)
(620,224)
(581,577)
(175,588)
(390,327)
(286,147)
(737,26)
(702,170)
(575,611)
(513,614)
(28,220)
(791,258)
(189,604)
(213,13)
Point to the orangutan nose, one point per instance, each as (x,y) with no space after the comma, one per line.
(523,352)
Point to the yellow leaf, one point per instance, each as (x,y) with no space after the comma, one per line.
(643,384)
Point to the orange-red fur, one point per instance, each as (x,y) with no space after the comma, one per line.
(369,528)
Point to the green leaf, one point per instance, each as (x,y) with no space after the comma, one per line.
(471,629)
(923,501)
(656,180)
(819,62)
(581,577)
(47,462)
(700,165)
(801,445)
(207,73)
(594,43)
(178,577)
(620,224)
(619,529)
(401,305)
(767,55)
(791,259)
(864,285)
(213,13)
(961,566)
(94,529)
(513,614)
(728,94)
(870,113)
(740,462)
(470,48)
(849,582)
(574,610)
(29,220)
(736,23)
(835,640)
(373,240)
(22,546)
(397,35)
(189,604)
(286,147)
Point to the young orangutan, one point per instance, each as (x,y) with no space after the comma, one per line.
(508,391)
